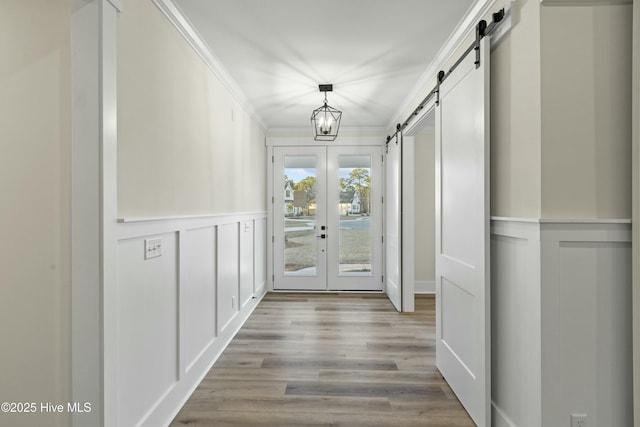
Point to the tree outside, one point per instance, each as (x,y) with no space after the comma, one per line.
(358,181)
(355,238)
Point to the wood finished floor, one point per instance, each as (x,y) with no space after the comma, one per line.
(328,360)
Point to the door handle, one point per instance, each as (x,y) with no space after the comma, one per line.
(322,236)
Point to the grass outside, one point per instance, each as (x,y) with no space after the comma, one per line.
(300,250)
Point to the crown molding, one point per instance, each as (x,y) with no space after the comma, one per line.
(465,27)
(177,18)
(344,131)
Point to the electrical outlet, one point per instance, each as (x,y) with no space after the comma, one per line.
(578,420)
(152,248)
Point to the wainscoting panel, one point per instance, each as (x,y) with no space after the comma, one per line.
(260,258)
(586,323)
(228,274)
(515,324)
(561,321)
(177,312)
(147,326)
(197,293)
(246,262)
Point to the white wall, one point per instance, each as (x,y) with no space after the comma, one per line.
(35,126)
(425,245)
(586,114)
(516,117)
(185,145)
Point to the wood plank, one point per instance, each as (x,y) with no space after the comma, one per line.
(330,363)
(334,359)
(362,389)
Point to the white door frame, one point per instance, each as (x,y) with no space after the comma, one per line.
(328,249)
(371,139)
(94,211)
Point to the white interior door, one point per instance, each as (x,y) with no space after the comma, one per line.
(393,221)
(462,235)
(327,218)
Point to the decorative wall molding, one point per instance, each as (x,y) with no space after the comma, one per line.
(562,220)
(199,292)
(123,220)
(516,373)
(561,289)
(305,132)
(297,141)
(146,226)
(177,18)
(166,410)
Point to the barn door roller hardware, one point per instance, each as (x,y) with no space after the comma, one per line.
(482,30)
(386,145)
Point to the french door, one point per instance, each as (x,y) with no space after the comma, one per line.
(327,218)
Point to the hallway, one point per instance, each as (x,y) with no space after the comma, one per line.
(328,360)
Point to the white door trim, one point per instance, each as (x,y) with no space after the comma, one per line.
(94,211)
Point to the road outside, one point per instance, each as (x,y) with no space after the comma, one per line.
(354,237)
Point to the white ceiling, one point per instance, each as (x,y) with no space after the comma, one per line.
(278,51)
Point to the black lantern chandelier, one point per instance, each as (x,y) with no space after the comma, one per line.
(326,119)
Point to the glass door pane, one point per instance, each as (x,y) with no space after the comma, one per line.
(300,206)
(354,206)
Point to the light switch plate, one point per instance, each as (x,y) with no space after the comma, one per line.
(152,248)
(578,420)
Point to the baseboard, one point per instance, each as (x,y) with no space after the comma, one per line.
(425,287)
(171,404)
(500,419)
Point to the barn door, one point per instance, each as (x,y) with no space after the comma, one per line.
(393,221)
(462,235)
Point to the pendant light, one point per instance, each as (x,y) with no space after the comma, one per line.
(326,119)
